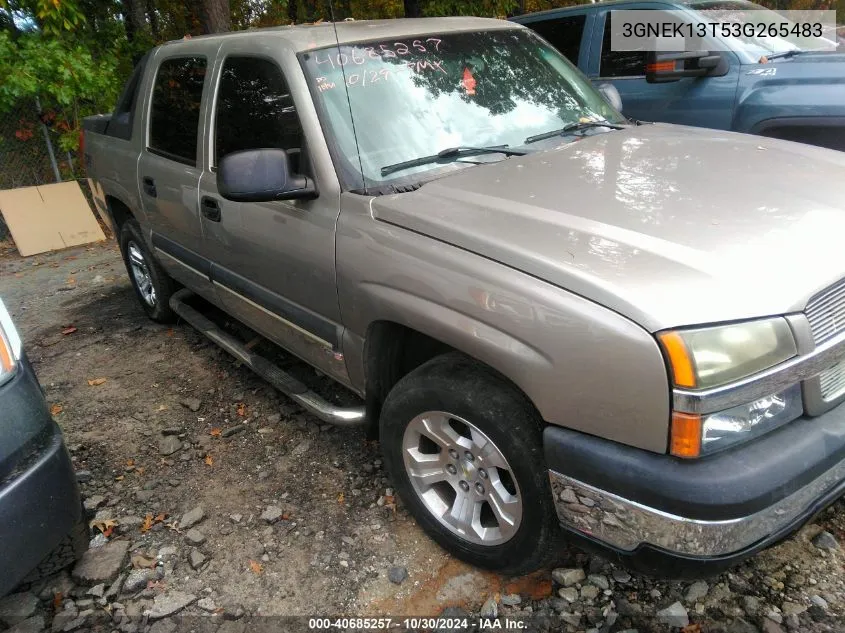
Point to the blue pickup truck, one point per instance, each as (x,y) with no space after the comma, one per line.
(777,87)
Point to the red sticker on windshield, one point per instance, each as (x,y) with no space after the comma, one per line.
(468,82)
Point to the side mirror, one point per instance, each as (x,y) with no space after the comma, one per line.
(261,175)
(665,67)
(611,94)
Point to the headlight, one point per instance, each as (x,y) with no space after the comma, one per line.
(712,356)
(10,345)
(747,421)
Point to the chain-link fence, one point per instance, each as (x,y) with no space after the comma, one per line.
(30,154)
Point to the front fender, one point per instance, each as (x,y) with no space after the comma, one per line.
(583,366)
(763,101)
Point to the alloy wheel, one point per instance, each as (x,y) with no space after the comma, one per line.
(462,478)
(141,274)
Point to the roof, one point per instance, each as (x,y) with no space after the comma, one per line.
(308,36)
(548,13)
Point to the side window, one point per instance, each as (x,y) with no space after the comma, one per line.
(564,34)
(120,124)
(619,63)
(255,110)
(175,112)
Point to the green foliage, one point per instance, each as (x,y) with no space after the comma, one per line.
(488,8)
(69,82)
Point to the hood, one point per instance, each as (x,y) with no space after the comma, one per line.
(665,224)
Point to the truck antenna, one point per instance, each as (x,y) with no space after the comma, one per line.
(348,100)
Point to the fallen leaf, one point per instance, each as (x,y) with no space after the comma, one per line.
(255,566)
(148,523)
(209,460)
(340,498)
(57,600)
(695,627)
(242,409)
(130,463)
(94,382)
(56,409)
(119,478)
(161,517)
(139,470)
(69,330)
(106,526)
(70,280)
(215,432)
(162,407)
(170,331)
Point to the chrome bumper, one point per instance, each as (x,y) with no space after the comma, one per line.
(624,524)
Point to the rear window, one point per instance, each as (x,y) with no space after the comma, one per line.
(120,124)
(175,111)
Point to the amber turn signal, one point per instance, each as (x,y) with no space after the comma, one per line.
(683,373)
(685,438)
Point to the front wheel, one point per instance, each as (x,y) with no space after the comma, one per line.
(464,449)
(152,285)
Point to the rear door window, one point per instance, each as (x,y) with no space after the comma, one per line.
(564,34)
(175,110)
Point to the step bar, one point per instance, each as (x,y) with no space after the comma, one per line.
(280,379)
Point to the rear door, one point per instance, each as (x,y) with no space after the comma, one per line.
(168,172)
(699,101)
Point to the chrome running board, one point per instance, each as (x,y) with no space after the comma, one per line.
(280,379)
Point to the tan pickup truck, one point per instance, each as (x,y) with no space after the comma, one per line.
(552,315)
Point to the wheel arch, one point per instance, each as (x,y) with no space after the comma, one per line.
(393,349)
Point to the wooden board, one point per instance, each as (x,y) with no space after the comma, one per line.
(49,217)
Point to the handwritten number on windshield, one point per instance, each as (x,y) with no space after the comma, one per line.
(385,51)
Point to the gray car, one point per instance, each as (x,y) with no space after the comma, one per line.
(552,315)
(43,528)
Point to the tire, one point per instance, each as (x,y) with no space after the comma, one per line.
(508,428)
(152,285)
(67,552)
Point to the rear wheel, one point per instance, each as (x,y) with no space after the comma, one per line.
(464,449)
(153,286)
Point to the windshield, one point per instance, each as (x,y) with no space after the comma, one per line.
(741,12)
(415,97)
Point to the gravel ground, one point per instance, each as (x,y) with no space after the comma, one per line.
(224,504)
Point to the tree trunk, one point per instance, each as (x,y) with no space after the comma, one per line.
(412,8)
(216,17)
(134,18)
(293,6)
(152,16)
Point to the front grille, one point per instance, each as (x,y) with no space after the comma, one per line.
(832,382)
(826,312)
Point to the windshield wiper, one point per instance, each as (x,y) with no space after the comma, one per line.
(449,154)
(782,54)
(573,127)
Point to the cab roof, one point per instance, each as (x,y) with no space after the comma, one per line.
(304,37)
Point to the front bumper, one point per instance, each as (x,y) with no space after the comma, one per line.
(39,496)
(684,518)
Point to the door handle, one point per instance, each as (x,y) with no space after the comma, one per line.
(210,208)
(149,186)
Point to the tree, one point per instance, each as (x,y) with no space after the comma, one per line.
(412,8)
(216,16)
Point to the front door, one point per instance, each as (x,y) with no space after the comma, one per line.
(699,101)
(273,264)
